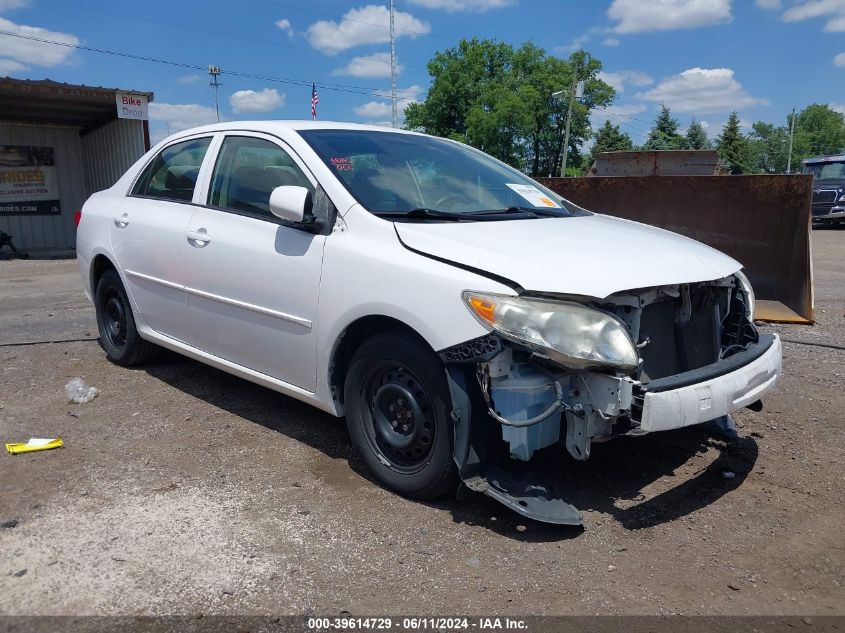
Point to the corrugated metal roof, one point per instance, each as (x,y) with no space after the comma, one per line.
(43,101)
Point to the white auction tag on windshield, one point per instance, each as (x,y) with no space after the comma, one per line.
(534,195)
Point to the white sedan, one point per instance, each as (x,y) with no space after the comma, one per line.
(458,314)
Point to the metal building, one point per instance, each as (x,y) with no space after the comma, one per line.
(59,143)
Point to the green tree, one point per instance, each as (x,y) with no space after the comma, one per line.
(497,123)
(610,138)
(696,137)
(460,76)
(769,147)
(499,99)
(664,135)
(734,148)
(819,130)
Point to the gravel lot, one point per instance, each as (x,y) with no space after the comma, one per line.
(183,490)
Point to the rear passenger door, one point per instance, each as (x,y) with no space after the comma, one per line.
(253,279)
(148,234)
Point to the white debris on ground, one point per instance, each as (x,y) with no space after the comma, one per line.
(80,393)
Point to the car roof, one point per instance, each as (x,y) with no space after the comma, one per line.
(824,159)
(279,126)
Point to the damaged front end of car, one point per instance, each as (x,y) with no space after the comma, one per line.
(571,371)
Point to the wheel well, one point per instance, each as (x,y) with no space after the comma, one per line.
(100,265)
(356,333)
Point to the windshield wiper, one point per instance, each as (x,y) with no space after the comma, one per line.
(424,213)
(490,215)
(551,212)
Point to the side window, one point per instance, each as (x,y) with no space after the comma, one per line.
(247,171)
(173,174)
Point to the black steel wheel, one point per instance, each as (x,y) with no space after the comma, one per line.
(119,337)
(397,412)
(114,318)
(401,426)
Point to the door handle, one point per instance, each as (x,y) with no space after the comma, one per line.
(122,221)
(198,238)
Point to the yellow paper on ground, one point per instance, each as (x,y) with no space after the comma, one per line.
(34,444)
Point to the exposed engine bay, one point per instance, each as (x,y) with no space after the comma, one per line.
(686,337)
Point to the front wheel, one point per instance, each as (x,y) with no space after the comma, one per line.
(398,414)
(119,337)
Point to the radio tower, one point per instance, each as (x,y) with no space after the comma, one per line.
(393,65)
(214,72)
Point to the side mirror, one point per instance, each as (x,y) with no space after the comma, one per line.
(291,203)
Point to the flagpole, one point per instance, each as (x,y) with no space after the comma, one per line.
(393,66)
(314,98)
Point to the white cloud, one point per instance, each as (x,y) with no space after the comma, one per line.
(28,52)
(835,25)
(175,117)
(813,9)
(381,109)
(373,109)
(702,91)
(189,79)
(578,42)
(838,107)
(637,16)
(620,78)
(285,26)
(832,10)
(367,25)
(372,66)
(574,45)
(182,116)
(464,6)
(252,101)
(8,66)
(839,60)
(768,5)
(6,5)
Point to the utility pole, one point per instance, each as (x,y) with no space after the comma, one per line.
(393,65)
(577,91)
(791,136)
(214,72)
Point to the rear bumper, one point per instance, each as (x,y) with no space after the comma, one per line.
(711,392)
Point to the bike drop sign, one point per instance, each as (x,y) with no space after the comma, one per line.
(131,106)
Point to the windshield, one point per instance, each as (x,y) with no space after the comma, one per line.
(834,170)
(399,174)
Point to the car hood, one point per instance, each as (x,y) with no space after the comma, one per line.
(594,255)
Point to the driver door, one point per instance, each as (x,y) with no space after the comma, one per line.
(253,279)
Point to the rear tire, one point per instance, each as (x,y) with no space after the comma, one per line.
(398,413)
(119,336)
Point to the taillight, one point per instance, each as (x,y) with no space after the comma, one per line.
(77,217)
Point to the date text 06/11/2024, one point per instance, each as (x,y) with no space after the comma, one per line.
(349,623)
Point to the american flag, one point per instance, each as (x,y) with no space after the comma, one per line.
(314,101)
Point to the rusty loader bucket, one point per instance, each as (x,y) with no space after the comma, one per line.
(761,221)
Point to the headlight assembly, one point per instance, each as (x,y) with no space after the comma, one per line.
(750,300)
(571,334)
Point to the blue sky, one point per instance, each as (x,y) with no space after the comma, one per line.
(703,58)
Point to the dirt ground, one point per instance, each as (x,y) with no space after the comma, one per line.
(183,490)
